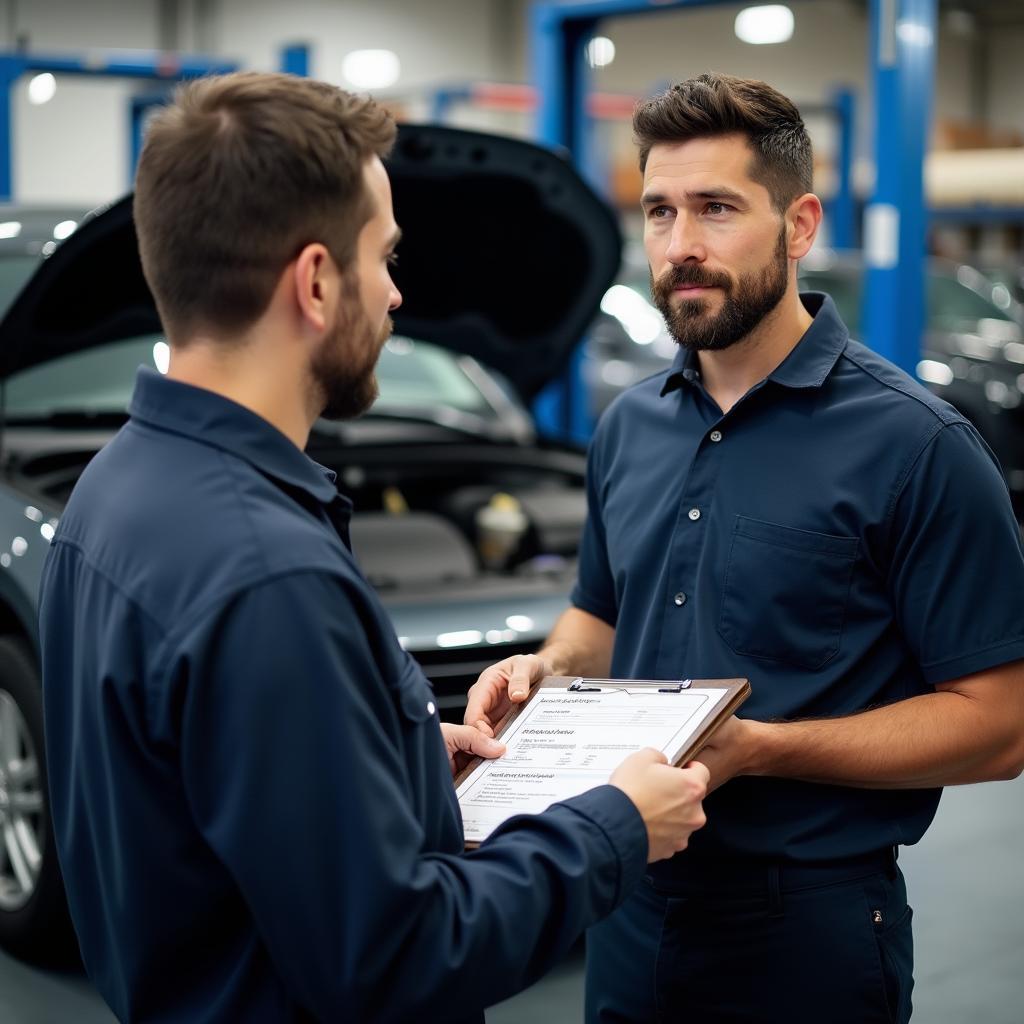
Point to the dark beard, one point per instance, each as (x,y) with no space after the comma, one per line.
(744,306)
(349,387)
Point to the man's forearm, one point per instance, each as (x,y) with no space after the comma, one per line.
(579,645)
(957,735)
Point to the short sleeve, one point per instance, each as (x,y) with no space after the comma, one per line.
(957,571)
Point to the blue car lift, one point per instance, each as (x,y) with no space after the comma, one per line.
(902,60)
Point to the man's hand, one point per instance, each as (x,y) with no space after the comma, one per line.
(463,743)
(730,751)
(500,686)
(668,799)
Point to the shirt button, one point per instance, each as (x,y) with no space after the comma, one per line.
(430,707)
(716,436)
(694,514)
(679,599)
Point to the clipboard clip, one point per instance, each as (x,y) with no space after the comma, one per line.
(576,686)
(683,684)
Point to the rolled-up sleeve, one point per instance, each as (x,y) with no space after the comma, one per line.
(296,762)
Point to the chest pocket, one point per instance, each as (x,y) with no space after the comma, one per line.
(785,592)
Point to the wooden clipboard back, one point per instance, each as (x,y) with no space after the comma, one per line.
(738,690)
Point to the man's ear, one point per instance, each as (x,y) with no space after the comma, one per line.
(313,277)
(803,218)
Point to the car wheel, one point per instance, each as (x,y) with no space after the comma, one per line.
(34,921)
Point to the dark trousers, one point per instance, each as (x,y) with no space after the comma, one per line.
(817,944)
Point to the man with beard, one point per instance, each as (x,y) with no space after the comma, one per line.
(783,504)
(251,792)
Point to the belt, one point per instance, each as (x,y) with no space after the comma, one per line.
(737,877)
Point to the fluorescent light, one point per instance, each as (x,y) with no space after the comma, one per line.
(600,52)
(934,372)
(64,229)
(10,228)
(771,23)
(41,88)
(371,69)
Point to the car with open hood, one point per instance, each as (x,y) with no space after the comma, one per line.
(465,520)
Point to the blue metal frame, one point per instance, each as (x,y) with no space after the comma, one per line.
(295,60)
(895,222)
(154,66)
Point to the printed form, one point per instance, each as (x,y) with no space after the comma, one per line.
(564,743)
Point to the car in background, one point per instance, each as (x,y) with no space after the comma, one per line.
(972,351)
(465,521)
(1007,281)
(627,341)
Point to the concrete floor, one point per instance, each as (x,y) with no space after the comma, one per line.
(966,885)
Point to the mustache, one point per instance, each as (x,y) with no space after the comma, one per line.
(688,274)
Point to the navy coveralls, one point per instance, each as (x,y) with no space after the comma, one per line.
(844,539)
(251,798)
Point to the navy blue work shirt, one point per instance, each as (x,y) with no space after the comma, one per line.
(251,797)
(841,537)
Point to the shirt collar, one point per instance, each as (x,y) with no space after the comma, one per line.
(212,419)
(807,366)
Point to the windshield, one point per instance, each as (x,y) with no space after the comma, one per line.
(413,376)
(14,272)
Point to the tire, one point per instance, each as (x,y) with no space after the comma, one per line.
(34,921)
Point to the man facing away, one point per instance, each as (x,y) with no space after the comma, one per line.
(251,792)
(785,505)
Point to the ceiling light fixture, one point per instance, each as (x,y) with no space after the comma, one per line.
(41,88)
(371,69)
(771,23)
(600,52)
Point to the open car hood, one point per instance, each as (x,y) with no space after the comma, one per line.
(505,255)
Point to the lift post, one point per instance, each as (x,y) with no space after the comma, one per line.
(895,222)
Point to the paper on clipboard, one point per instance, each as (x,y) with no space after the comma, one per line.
(573,733)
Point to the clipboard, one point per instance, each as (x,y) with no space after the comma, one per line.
(729,695)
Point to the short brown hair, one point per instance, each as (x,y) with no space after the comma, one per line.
(236,176)
(712,105)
